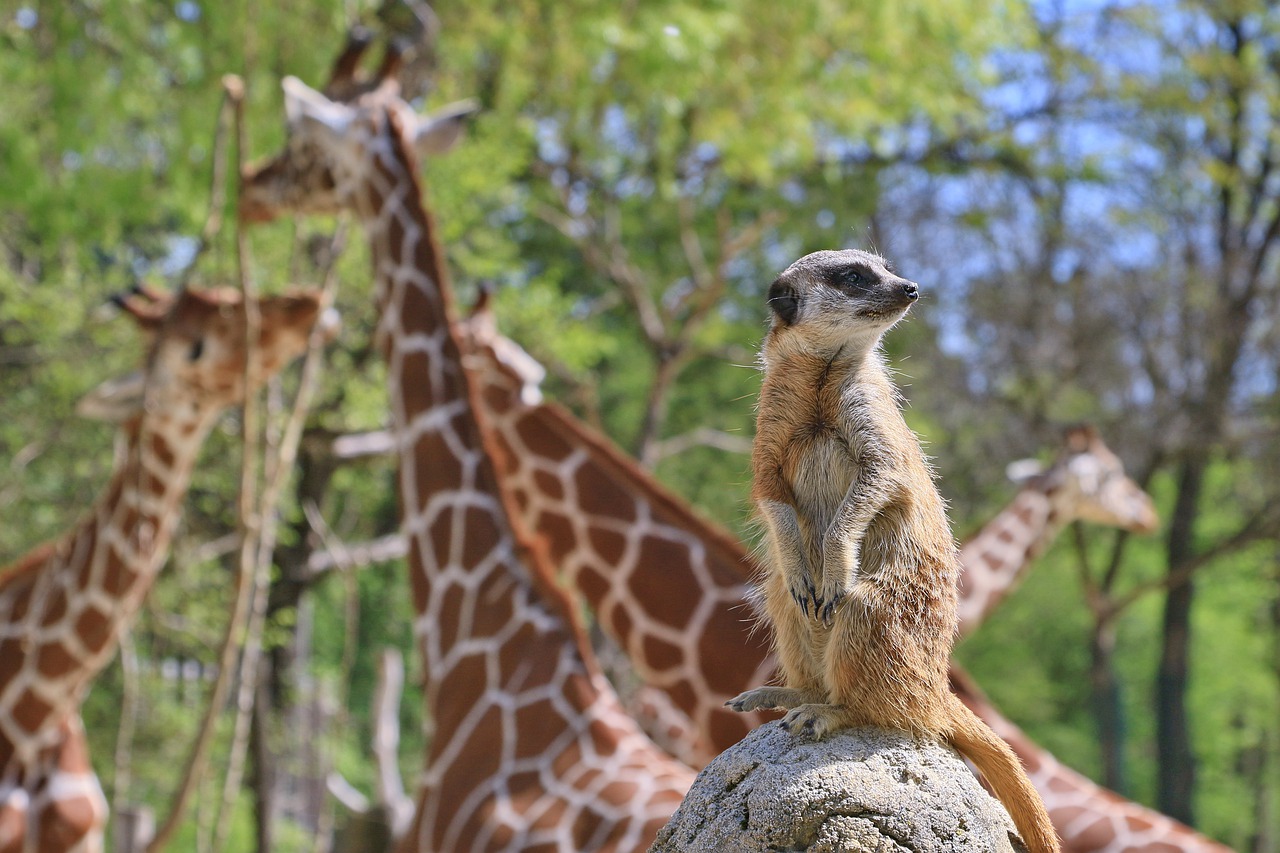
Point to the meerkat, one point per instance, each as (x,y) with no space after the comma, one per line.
(861,565)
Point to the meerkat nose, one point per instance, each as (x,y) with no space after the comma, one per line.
(911,289)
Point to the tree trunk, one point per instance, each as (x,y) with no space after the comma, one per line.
(1108,708)
(1176,773)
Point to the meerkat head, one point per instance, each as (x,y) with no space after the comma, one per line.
(839,297)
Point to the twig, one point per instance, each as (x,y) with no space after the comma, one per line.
(386,741)
(128,723)
(380,550)
(281,457)
(351,620)
(217,182)
(248,529)
(360,444)
(701,437)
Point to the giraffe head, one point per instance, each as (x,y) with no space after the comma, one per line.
(330,136)
(1087,482)
(196,361)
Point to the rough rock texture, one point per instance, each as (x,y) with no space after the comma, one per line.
(861,790)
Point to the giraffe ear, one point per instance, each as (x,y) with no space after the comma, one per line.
(304,105)
(114,400)
(1023,470)
(440,131)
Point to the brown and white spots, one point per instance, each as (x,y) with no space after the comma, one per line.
(507,680)
(63,607)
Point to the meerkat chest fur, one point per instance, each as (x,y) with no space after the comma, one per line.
(831,424)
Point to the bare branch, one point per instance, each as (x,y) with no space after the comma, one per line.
(248,524)
(358,445)
(345,793)
(701,437)
(358,556)
(1261,525)
(609,260)
(386,740)
(281,458)
(232,94)
(703,277)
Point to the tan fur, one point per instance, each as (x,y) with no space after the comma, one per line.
(862,566)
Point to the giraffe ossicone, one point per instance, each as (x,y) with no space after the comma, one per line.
(64,606)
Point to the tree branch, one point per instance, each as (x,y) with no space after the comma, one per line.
(701,437)
(1261,525)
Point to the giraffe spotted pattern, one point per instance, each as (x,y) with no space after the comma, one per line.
(529,747)
(546,451)
(65,605)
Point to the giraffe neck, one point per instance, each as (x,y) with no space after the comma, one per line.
(446,479)
(1088,817)
(521,720)
(997,557)
(665,585)
(62,610)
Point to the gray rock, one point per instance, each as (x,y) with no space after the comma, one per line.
(860,790)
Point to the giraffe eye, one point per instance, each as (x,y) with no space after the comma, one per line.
(197,350)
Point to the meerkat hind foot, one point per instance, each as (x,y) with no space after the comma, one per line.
(768,698)
(815,720)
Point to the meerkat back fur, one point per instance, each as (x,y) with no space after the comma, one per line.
(860,584)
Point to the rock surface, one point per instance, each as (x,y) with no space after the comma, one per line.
(860,790)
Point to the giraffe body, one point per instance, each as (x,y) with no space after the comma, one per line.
(530,749)
(64,606)
(574,488)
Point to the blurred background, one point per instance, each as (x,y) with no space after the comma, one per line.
(1087,192)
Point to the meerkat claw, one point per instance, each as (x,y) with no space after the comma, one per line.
(828,615)
(804,597)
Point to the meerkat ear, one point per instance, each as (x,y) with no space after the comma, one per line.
(784,301)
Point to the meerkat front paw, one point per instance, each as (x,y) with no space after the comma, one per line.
(837,584)
(805,594)
(814,721)
(832,597)
(769,698)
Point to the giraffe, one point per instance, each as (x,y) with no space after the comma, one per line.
(676,603)
(529,746)
(64,605)
(595,477)
(1085,482)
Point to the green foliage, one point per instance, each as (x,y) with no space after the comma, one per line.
(633,137)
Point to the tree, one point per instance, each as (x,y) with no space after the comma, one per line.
(1129,277)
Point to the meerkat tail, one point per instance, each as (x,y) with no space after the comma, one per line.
(998,764)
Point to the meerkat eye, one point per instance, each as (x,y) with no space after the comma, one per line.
(853,277)
(197,350)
